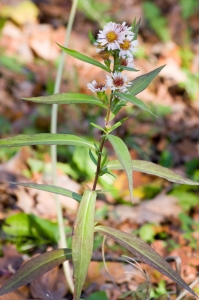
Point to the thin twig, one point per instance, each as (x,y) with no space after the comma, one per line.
(63,242)
(169,259)
(194,283)
(105,265)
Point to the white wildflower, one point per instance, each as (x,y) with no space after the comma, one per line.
(117,82)
(96,87)
(126,29)
(127,62)
(111,36)
(127,47)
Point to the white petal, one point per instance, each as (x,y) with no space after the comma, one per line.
(91,87)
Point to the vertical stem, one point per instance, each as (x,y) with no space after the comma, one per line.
(63,242)
(102,145)
(98,163)
(109,110)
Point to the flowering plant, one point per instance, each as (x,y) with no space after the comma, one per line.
(116,44)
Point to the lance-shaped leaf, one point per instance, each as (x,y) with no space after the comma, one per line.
(136,28)
(66,98)
(116,125)
(98,127)
(131,98)
(45,139)
(35,268)
(126,68)
(91,37)
(85,58)
(144,252)
(82,240)
(52,189)
(153,169)
(141,82)
(124,157)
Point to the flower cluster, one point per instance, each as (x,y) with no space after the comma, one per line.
(115,40)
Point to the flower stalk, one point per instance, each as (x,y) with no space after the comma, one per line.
(114,40)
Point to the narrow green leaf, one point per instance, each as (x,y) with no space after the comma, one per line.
(141,82)
(117,124)
(133,24)
(45,139)
(94,160)
(97,126)
(136,29)
(144,252)
(82,240)
(124,157)
(131,98)
(117,108)
(125,295)
(153,169)
(102,173)
(66,98)
(85,58)
(126,68)
(104,161)
(52,189)
(35,268)
(91,37)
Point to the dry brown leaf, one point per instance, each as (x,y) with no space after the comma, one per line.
(51,285)
(11,261)
(148,211)
(159,209)
(20,294)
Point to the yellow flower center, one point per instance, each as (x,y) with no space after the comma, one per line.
(126,45)
(111,36)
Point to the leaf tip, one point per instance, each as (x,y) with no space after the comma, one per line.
(59,45)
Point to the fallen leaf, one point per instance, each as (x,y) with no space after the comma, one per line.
(20,294)
(148,211)
(51,285)
(159,209)
(11,261)
(22,13)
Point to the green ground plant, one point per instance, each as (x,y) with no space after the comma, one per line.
(116,44)
(156,20)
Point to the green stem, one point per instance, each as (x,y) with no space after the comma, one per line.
(99,162)
(103,138)
(102,145)
(109,110)
(63,242)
